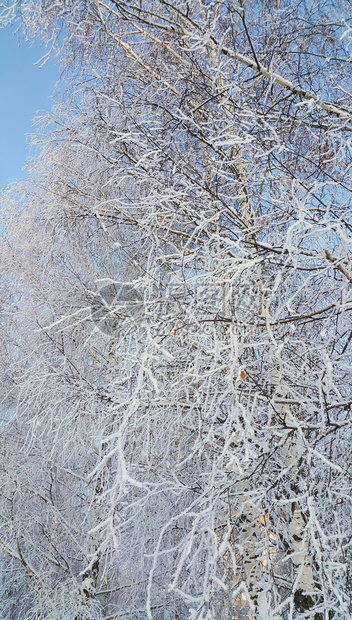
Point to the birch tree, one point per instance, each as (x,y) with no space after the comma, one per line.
(186,457)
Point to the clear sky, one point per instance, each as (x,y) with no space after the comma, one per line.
(24,89)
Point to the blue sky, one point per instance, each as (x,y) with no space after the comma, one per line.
(24,89)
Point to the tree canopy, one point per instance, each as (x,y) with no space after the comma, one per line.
(176,328)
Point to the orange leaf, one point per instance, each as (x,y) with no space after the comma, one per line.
(243,374)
